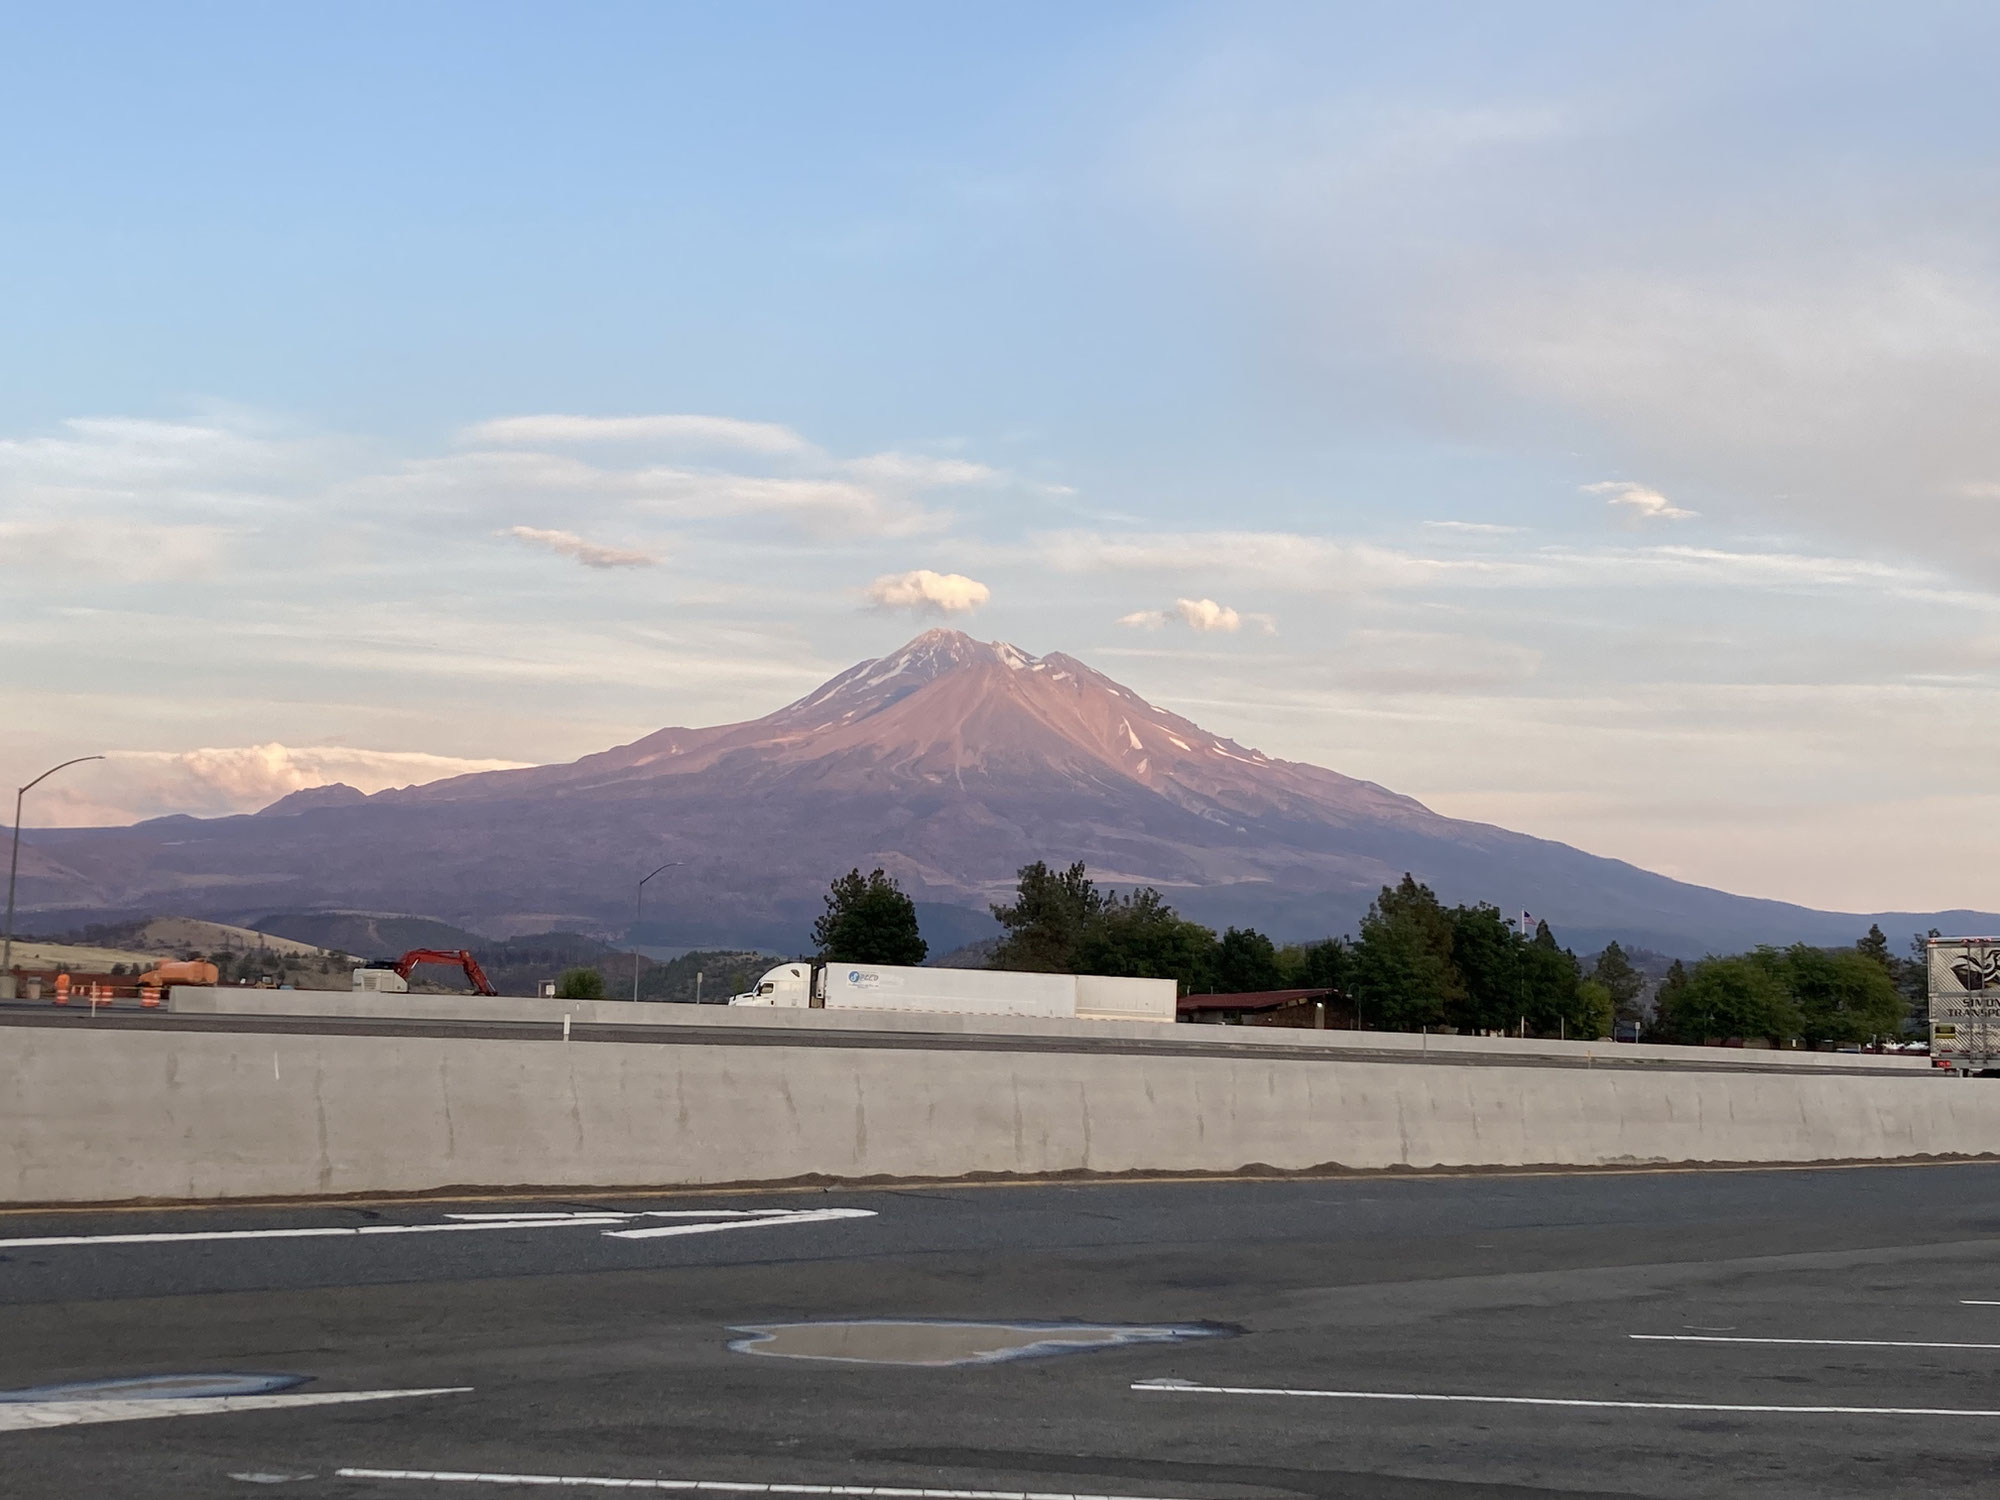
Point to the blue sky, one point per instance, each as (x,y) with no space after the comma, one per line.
(1578,417)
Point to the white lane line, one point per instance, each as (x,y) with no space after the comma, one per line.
(612,1222)
(713,1486)
(802,1216)
(1709,1338)
(1830,1411)
(1977,1302)
(23,1416)
(321,1232)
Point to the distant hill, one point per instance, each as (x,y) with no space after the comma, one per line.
(949,763)
(168,936)
(369,934)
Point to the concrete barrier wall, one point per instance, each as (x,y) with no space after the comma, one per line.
(227,1000)
(117,1115)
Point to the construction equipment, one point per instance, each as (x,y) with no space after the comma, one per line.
(194,971)
(393,974)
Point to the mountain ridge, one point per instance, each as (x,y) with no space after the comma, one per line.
(949,762)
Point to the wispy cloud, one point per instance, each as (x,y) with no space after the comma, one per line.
(1644,502)
(1294,562)
(218,781)
(1269,559)
(924,592)
(689,430)
(113,546)
(1480,528)
(914,470)
(590,554)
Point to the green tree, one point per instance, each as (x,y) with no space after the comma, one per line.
(1913,976)
(1668,998)
(1246,961)
(1141,937)
(1875,948)
(1486,951)
(580,984)
(1596,1010)
(1046,924)
(868,920)
(1401,974)
(1844,996)
(1621,981)
(1314,966)
(1552,1006)
(1730,998)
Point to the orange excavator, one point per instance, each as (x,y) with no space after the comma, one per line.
(375,976)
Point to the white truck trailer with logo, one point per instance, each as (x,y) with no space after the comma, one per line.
(806,984)
(1965,1003)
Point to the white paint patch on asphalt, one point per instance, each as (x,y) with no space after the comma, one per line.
(21,1416)
(1184,1388)
(714,1486)
(614,1223)
(1978,1302)
(1710,1338)
(936,1343)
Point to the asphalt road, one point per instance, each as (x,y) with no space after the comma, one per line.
(591,1345)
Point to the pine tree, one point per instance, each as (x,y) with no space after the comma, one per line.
(868,920)
(1052,914)
(1624,983)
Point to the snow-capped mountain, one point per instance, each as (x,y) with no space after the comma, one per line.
(951,763)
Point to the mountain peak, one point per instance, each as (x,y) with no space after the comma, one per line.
(872,685)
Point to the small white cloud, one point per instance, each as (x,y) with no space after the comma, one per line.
(685,430)
(1206,614)
(926,593)
(1482,528)
(590,554)
(1645,504)
(1196,614)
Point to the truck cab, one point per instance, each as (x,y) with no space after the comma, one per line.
(787,987)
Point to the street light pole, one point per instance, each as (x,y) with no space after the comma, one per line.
(639,895)
(13,865)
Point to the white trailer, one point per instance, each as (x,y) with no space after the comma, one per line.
(808,985)
(1965,1003)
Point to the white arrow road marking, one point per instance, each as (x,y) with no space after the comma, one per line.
(20,1416)
(610,1220)
(799,1216)
(710,1486)
(1185,1389)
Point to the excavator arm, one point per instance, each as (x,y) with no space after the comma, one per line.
(461,958)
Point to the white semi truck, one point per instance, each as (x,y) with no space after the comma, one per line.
(1965,1003)
(809,985)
